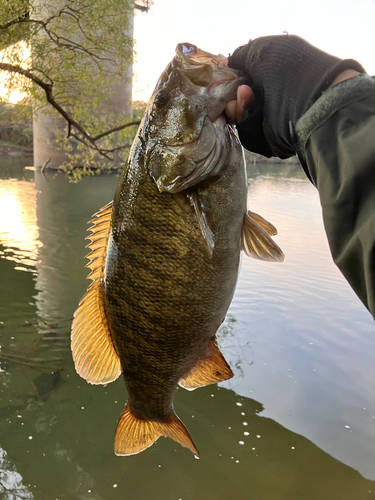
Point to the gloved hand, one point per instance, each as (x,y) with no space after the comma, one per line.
(287,75)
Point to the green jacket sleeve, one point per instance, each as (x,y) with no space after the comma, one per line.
(336,146)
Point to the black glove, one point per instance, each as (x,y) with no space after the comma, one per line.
(287,75)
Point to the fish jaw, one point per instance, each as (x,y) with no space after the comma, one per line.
(222,85)
(186,137)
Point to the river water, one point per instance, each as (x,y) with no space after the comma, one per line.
(296,423)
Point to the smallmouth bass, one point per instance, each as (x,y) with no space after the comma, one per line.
(165,254)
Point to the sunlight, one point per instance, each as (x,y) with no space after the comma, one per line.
(220,26)
(18,53)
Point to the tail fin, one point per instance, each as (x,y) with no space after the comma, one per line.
(134,435)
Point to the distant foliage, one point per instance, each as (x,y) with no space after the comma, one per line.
(80,51)
(84,160)
(16,126)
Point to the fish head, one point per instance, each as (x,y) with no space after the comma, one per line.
(185,130)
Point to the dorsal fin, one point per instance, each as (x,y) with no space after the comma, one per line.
(134,435)
(212,369)
(94,355)
(257,243)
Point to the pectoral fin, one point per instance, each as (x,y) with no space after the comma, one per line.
(270,228)
(257,243)
(134,435)
(94,355)
(212,369)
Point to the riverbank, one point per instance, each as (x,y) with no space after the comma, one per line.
(16,132)
(16,135)
(11,150)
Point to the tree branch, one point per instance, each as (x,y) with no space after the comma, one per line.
(14,22)
(116,129)
(143,8)
(67,45)
(86,138)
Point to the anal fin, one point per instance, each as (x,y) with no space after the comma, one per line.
(134,434)
(212,369)
(257,243)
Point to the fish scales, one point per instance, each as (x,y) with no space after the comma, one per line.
(165,255)
(167,283)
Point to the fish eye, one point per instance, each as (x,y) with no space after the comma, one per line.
(161,98)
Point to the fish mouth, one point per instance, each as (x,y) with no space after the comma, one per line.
(203,68)
(190,54)
(179,159)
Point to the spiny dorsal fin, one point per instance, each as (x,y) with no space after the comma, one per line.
(270,228)
(94,355)
(212,369)
(101,225)
(257,243)
(134,435)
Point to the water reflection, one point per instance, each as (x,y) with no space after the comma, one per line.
(11,487)
(18,222)
(295,336)
(307,343)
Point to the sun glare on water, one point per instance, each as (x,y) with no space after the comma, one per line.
(18,228)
